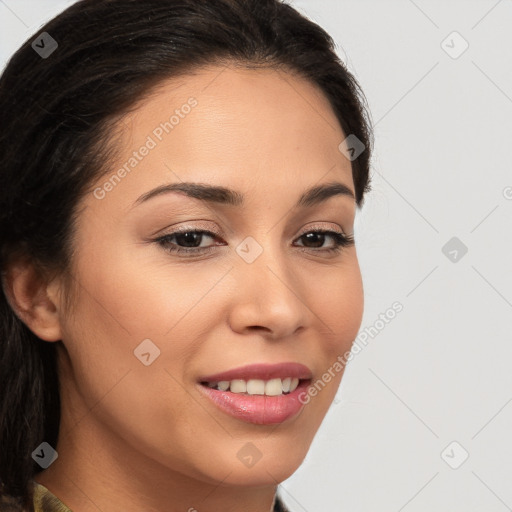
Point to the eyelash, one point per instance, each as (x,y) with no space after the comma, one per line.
(340,240)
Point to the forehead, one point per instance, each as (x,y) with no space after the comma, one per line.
(259,129)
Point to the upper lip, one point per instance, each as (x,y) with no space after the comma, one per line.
(261,371)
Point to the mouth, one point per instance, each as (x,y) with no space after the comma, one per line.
(259,394)
(271,387)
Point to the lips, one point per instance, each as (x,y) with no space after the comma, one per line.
(261,372)
(255,405)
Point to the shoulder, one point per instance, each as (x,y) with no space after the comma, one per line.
(45,501)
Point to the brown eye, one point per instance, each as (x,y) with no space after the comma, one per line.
(316,238)
(186,241)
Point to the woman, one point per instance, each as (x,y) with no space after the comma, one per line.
(179,273)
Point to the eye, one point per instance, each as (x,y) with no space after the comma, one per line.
(190,241)
(317,238)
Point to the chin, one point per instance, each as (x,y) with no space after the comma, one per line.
(262,470)
(261,475)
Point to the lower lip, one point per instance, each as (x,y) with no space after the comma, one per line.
(258,409)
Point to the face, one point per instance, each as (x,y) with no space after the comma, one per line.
(247,281)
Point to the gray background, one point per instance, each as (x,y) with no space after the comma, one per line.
(439,372)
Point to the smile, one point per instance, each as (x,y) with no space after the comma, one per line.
(260,394)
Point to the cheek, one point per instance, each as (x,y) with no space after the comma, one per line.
(140,296)
(338,303)
(337,298)
(121,304)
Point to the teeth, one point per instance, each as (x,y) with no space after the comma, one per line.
(272,387)
(238,386)
(223,385)
(286,384)
(256,387)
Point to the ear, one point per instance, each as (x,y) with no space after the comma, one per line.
(33,299)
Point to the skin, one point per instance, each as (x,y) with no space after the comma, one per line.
(136,437)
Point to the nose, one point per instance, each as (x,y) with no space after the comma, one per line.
(269,297)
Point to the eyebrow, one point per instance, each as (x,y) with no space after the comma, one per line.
(222,195)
